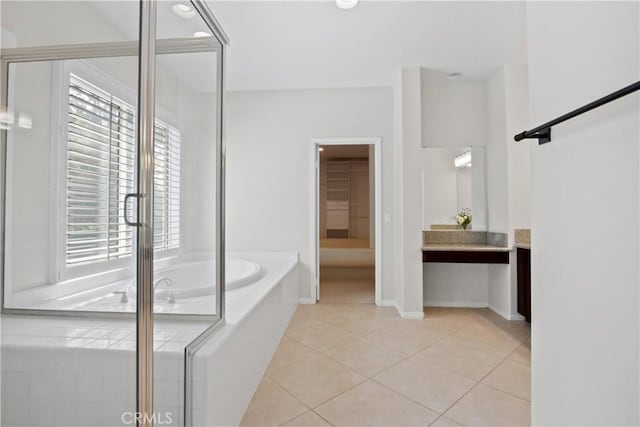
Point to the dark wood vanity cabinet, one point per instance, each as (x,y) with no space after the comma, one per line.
(524,282)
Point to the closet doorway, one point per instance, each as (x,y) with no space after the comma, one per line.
(346,217)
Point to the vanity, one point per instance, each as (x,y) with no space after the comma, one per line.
(468,247)
(465,261)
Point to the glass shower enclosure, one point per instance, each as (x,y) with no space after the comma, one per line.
(112,210)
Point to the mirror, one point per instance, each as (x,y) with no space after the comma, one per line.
(453,181)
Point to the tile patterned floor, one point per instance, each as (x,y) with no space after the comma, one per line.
(361,365)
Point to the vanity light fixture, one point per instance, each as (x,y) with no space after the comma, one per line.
(320,149)
(463,160)
(346,4)
(183,10)
(201,34)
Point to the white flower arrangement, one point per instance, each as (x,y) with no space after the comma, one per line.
(463,218)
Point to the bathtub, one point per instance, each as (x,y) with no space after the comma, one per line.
(76,358)
(193,279)
(185,287)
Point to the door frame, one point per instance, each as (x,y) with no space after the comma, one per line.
(314,203)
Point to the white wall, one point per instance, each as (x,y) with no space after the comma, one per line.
(408,209)
(455,285)
(454,114)
(507,176)
(584,186)
(452,110)
(268,137)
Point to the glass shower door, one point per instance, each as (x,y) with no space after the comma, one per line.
(69,102)
(112,209)
(188,201)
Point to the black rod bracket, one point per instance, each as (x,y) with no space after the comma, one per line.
(543,136)
(543,132)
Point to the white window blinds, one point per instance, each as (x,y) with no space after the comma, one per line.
(101,171)
(166,174)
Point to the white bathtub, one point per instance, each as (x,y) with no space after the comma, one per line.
(195,279)
(75,358)
(188,289)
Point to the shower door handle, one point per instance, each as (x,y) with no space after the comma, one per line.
(126,204)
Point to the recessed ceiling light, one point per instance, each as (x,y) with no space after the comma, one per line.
(183,10)
(346,4)
(201,34)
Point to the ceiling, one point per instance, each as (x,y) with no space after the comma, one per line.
(314,44)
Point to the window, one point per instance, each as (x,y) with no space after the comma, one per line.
(101,171)
(166,190)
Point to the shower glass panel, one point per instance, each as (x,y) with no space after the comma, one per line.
(187,167)
(69,107)
(70,180)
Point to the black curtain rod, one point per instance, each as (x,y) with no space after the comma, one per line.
(543,132)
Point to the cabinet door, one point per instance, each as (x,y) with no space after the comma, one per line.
(524,282)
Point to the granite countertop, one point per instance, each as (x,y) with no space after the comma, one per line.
(464,247)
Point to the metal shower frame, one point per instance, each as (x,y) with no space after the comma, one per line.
(146,48)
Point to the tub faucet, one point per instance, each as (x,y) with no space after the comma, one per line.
(163,280)
(168,283)
(123,298)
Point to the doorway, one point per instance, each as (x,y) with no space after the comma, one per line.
(346,210)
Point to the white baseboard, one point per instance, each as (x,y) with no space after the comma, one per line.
(506,315)
(306,300)
(516,316)
(411,314)
(455,304)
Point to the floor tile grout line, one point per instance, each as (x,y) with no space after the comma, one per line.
(468,391)
(340,393)
(406,397)
(507,392)
(476,385)
(328,422)
(364,378)
(407,356)
(287,391)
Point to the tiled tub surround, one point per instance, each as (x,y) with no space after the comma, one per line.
(81,372)
(452,240)
(229,367)
(64,371)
